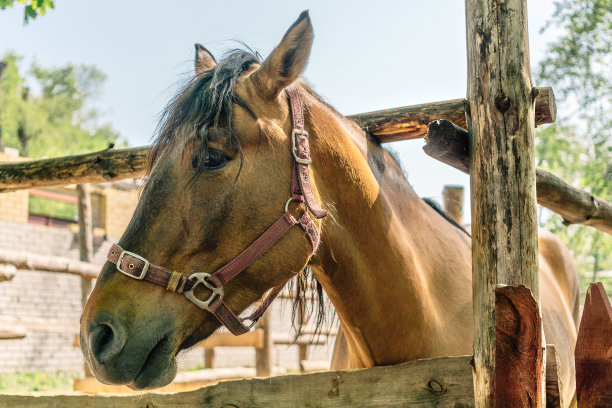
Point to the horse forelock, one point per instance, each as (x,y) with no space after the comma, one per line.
(204,103)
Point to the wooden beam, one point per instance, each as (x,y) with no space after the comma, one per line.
(594,350)
(410,122)
(264,355)
(501,119)
(518,348)
(554,386)
(85,246)
(388,125)
(98,167)
(445,381)
(26,261)
(449,144)
(12,332)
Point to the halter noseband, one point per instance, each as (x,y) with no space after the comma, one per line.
(137,267)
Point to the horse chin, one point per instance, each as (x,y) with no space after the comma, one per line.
(159,369)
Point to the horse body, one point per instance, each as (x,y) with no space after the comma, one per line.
(398,273)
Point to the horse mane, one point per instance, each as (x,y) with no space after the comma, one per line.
(206,102)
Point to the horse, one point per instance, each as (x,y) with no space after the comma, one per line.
(222,170)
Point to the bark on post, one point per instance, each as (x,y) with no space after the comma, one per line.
(85,244)
(502,167)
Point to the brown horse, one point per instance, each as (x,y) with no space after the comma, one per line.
(397,272)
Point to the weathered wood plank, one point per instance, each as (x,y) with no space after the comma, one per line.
(25,260)
(594,350)
(500,121)
(449,144)
(440,382)
(264,355)
(554,386)
(97,167)
(410,122)
(518,348)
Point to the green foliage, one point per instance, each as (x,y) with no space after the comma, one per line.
(57,120)
(578,66)
(36,381)
(33,8)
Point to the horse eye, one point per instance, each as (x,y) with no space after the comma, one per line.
(213,159)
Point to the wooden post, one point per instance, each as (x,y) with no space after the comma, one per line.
(263,355)
(209,357)
(594,350)
(453,202)
(85,244)
(500,119)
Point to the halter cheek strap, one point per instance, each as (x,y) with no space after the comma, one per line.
(137,267)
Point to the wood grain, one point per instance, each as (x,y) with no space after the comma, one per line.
(97,167)
(554,386)
(410,122)
(500,120)
(439,382)
(518,348)
(594,351)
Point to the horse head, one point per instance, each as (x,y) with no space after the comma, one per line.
(220,173)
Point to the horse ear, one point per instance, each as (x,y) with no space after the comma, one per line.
(203,60)
(288,60)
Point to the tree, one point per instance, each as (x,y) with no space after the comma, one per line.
(33,8)
(58,120)
(578,65)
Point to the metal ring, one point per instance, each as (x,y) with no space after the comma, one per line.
(287,204)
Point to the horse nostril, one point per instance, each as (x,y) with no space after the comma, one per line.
(106,341)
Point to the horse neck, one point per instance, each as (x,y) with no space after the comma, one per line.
(371,260)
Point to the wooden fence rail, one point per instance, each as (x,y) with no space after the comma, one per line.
(445,381)
(388,125)
(449,144)
(25,260)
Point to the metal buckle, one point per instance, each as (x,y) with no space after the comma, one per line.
(201,279)
(250,326)
(144,270)
(298,159)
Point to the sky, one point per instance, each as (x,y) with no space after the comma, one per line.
(367,55)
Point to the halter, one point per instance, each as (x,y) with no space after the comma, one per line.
(137,267)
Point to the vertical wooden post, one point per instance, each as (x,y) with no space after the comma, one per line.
(594,350)
(209,357)
(453,202)
(500,120)
(85,243)
(263,356)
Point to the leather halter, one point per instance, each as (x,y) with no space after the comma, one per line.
(137,267)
